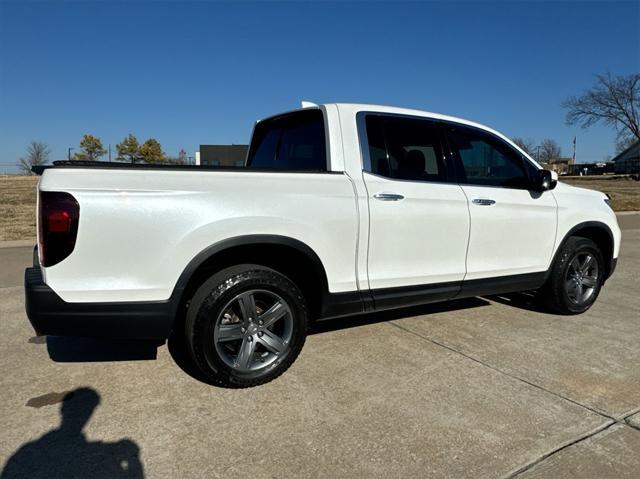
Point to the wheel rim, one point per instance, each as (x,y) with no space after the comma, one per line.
(582,278)
(253,330)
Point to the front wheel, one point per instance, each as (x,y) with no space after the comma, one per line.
(246,325)
(576,277)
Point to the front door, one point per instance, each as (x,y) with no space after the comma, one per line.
(513,229)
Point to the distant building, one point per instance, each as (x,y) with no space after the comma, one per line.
(588,169)
(629,160)
(222,155)
(559,165)
(565,166)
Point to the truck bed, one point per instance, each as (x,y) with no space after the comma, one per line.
(39,169)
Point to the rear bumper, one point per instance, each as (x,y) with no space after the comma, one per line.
(49,314)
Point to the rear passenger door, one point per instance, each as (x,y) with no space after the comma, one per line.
(419,221)
(512,227)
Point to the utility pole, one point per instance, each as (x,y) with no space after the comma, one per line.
(574,151)
(69,153)
(109,152)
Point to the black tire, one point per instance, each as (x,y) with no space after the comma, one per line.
(216,301)
(556,294)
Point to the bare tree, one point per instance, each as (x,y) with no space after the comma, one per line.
(527,144)
(37,154)
(549,151)
(614,101)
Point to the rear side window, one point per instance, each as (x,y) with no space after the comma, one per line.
(290,142)
(405,148)
(486,160)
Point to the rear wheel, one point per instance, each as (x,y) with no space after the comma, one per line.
(576,277)
(246,325)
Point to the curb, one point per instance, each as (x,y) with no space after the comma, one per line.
(17,243)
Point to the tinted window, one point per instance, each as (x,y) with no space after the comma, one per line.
(486,160)
(294,141)
(377,149)
(405,148)
(265,141)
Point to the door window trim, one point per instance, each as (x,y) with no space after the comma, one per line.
(456,160)
(452,165)
(365,154)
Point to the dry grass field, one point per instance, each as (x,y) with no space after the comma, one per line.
(624,192)
(18,199)
(18,207)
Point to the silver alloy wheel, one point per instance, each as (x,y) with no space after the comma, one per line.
(582,278)
(253,330)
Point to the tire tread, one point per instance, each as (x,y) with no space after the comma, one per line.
(205,297)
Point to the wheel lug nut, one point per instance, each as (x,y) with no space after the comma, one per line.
(260,333)
(260,322)
(242,330)
(250,338)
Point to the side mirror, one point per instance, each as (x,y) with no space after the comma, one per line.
(545,180)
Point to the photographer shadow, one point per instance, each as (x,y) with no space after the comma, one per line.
(66,452)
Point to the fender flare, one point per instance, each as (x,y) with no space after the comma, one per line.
(586,224)
(245,240)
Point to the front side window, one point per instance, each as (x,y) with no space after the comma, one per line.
(291,142)
(483,159)
(405,148)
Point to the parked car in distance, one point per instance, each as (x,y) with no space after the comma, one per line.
(340,209)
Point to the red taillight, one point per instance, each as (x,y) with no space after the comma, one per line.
(58,224)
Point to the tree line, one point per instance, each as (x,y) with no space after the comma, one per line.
(91,149)
(547,151)
(129,150)
(614,101)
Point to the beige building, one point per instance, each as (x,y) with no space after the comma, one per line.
(560,165)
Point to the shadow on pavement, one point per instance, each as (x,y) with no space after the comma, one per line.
(524,300)
(177,346)
(178,350)
(69,349)
(66,452)
(390,315)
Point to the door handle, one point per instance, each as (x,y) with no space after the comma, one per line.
(484,202)
(388,197)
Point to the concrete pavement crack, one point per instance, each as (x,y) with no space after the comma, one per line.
(622,419)
(513,376)
(548,454)
(625,419)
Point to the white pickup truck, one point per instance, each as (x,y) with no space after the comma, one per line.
(339,209)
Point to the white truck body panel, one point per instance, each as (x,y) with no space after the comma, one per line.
(139,229)
(419,240)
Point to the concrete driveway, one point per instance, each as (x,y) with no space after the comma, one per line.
(486,387)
